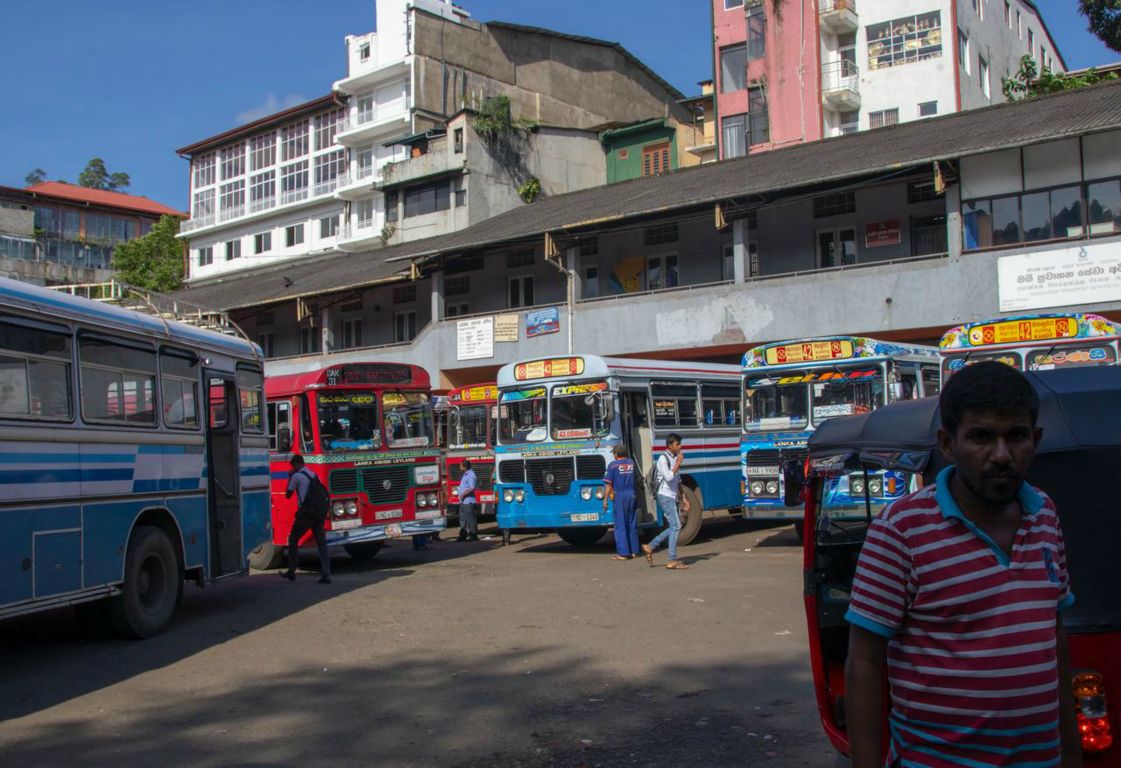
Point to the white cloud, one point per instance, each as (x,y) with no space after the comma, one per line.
(269,106)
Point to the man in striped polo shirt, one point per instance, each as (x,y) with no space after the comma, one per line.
(957,594)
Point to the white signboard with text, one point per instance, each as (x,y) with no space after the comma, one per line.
(474,339)
(1084,274)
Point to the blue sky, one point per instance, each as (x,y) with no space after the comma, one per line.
(132,80)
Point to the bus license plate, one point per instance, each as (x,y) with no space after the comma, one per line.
(393,531)
(589,517)
(342,525)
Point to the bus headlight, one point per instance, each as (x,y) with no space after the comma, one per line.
(856,485)
(519,495)
(337,509)
(507,495)
(756,487)
(875,486)
(600,492)
(421,500)
(586,493)
(433,500)
(352,507)
(772,487)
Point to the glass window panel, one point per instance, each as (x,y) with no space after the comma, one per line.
(1006,221)
(1104,211)
(733,68)
(1036,211)
(1066,212)
(977,225)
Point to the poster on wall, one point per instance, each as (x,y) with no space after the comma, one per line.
(882,233)
(626,277)
(1087,274)
(506,327)
(541,322)
(474,339)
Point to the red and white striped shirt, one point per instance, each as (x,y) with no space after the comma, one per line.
(972,659)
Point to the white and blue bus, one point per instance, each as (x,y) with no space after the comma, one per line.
(559,420)
(133,456)
(791,387)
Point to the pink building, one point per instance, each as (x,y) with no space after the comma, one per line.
(791,71)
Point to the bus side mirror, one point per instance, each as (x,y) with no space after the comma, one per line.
(793,483)
(283,440)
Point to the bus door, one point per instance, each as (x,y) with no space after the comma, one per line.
(224,474)
(639,438)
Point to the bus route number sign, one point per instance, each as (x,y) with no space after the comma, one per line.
(1015,331)
(810,351)
(549,369)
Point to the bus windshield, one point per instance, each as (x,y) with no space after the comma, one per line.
(407,419)
(859,391)
(773,406)
(581,410)
(348,421)
(468,427)
(521,416)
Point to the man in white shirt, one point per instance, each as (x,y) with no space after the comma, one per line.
(668,473)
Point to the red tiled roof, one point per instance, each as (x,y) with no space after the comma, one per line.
(74,193)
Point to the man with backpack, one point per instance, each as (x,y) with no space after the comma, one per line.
(313,503)
(667,482)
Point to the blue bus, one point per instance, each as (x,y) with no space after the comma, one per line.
(790,387)
(560,418)
(133,456)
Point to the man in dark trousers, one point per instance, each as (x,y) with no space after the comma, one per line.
(468,523)
(620,487)
(300,479)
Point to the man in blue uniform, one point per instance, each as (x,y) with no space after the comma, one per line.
(620,487)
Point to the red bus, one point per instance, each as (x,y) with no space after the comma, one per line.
(471,431)
(367,431)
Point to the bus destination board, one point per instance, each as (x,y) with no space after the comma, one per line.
(552,368)
(1028,329)
(810,351)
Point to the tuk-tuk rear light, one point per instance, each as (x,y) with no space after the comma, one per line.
(1093,711)
(1095,733)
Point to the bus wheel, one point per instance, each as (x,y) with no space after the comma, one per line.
(581,537)
(690,521)
(266,556)
(364,552)
(151,586)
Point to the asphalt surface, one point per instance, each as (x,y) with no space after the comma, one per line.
(469,655)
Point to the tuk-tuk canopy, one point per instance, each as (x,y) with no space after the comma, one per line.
(1078,408)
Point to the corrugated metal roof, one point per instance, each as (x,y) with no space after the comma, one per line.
(73,193)
(892,149)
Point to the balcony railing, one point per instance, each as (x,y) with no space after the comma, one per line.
(840,84)
(833,6)
(262,204)
(233,212)
(838,16)
(196,222)
(355,231)
(293,196)
(326,187)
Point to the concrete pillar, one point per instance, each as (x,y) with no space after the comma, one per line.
(953,220)
(572,263)
(437,295)
(739,250)
(326,337)
(572,260)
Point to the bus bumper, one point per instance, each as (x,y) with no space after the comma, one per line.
(551,512)
(386,532)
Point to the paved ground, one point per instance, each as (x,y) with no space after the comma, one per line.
(471,655)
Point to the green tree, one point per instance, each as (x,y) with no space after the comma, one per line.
(37,176)
(97,176)
(1029,81)
(1105,20)
(154,261)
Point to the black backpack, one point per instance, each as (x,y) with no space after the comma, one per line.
(317,501)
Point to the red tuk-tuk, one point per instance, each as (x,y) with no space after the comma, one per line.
(1079,456)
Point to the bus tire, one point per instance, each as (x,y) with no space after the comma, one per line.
(364,552)
(581,537)
(266,556)
(151,586)
(691,520)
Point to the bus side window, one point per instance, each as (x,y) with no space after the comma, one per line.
(675,405)
(34,373)
(720,405)
(118,381)
(931,381)
(910,385)
(280,418)
(250,387)
(179,389)
(218,409)
(306,433)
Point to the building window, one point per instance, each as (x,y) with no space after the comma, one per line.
(294,235)
(1053,214)
(426,199)
(756,33)
(404,327)
(294,140)
(921,191)
(233,250)
(457,310)
(983,76)
(928,109)
(457,286)
(928,235)
(1031,43)
(457,143)
(326,126)
(591,282)
(758,121)
(391,209)
(730,4)
(206,256)
(233,161)
(366,106)
(589,246)
(753,269)
(266,341)
(404,294)
(203,207)
(522,258)
(262,243)
(262,151)
(352,333)
(734,129)
(328,168)
(232,200)
(655,159)
(834,204)
(659,234)
(979,8)
(733,68)
(262,191)
(1008,13)
(963,52)
(1043,58)
(883,118)
(364,213)
(204,170)
(849,122)
(904,40)
(328,227)
(364,52)
(661,272)
(520,292)
(461,197)
(293,182)
(1019,26)
(309,341)
(836,247)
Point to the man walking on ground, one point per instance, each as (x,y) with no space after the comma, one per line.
(468,523)
(620,487)
(957,593)
(668,474)
(300,481)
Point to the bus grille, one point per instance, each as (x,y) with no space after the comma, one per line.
(484,474)
(773,458)
(343,481)
(511,471)
(550,477)
(374,480)
(590,467)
